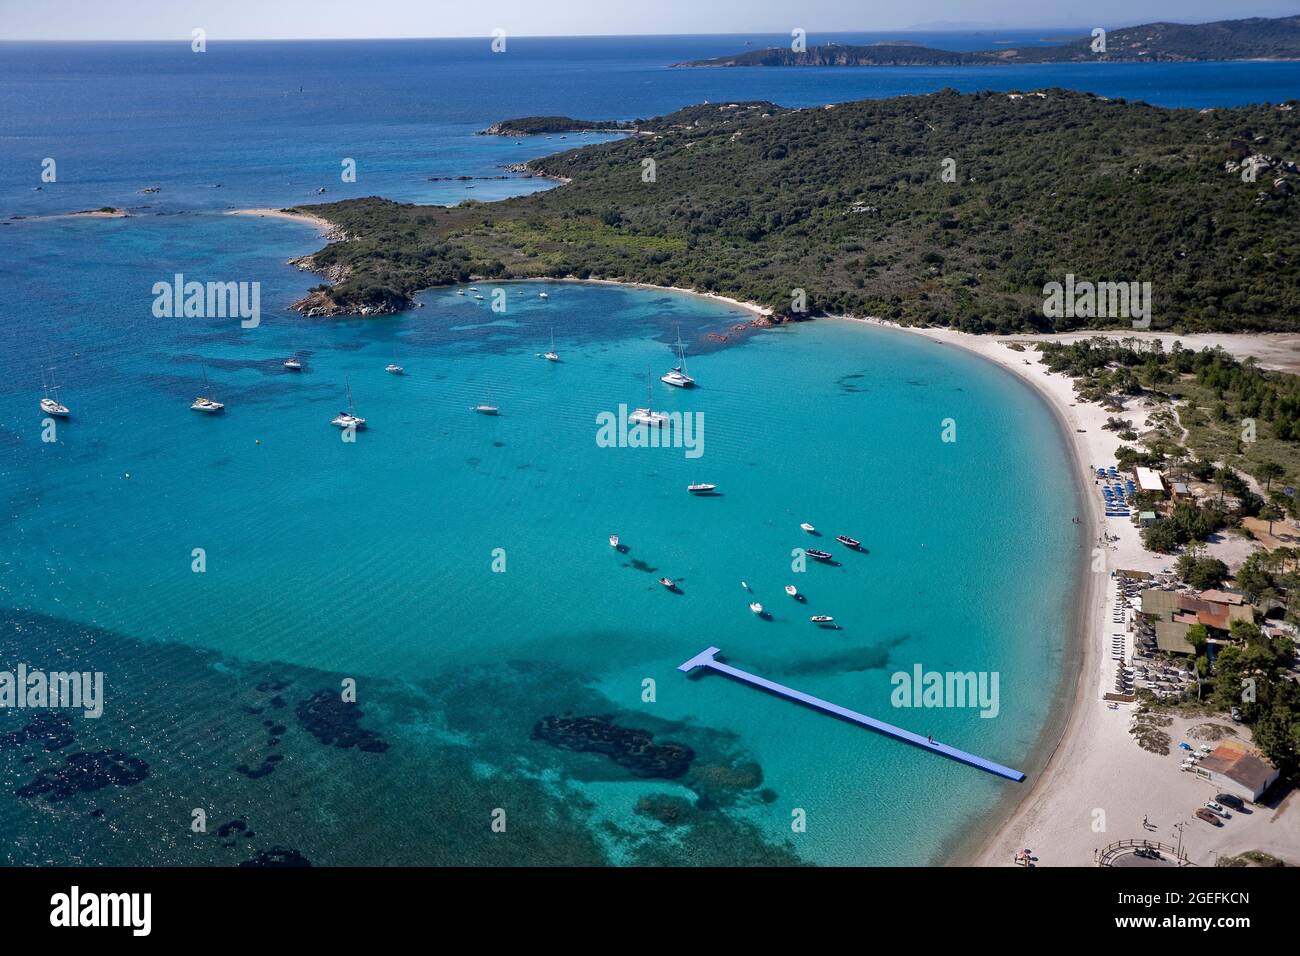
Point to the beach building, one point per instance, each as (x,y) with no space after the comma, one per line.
(1238,768)
(1146,519)
(1149,480)
(1176,611)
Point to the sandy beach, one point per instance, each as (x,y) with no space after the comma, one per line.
(1099,785)
(324,225)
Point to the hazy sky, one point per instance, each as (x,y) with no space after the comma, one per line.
(251,19)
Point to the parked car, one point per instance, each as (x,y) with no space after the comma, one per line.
(1217,808)
(1229,800)
(1208,817)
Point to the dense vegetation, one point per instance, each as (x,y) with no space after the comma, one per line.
(1232,412)
(850,204)
(1250,39)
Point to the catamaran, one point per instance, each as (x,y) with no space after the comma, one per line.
(347,419)
(204,404)
(678,376)
(647,415)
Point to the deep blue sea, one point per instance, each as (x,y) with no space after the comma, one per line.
(455,566)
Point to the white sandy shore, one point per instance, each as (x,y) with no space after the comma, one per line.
(324,225)
(1099,786)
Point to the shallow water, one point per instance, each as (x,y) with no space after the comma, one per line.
(373,561)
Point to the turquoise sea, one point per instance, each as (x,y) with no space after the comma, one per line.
(456,566)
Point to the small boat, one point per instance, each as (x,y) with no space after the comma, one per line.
(822,619)
(791,590)
(756,607)
(819,555)
(613,541)
(552,355)
(745,585)
(669,583)
(809,528)
(347,419)
(50,404)
(848,542)
(473,288)
(477,296)
(542,295)
(701,488)
(394,369)
(678,376)
(487,408)
(460,291)
(293,364)
(203,404)
(647,415)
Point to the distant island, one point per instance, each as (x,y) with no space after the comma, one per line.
(1256,38)
(690,117)
(850,204)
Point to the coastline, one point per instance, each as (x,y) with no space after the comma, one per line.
(1065,731)
(329,229)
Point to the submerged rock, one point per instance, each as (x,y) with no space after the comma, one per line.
(633,749)
(85,772)
(331,720)
(278,857)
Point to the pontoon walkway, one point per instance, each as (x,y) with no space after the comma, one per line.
(706,659)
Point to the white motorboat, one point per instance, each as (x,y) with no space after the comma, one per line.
(822,619)
(701,488)
(613,541)
(756,607)
(791,590)
(809,528)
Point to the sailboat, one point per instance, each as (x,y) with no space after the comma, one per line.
(647,415)
(205,404)
(392,368)
(347,419)
(678,376)
(487,408)
(293,363)
(552,355)
(51,405)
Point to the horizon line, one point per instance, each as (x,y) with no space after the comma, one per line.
(185,38)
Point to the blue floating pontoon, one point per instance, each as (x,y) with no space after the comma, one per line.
(706,658)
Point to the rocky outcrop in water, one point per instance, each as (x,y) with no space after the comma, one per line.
(334,722)
(85,772)
(632,749)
